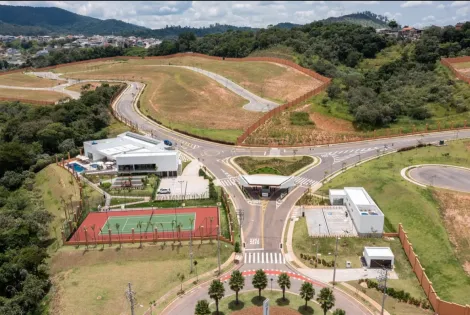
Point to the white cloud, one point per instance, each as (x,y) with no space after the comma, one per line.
(441,6)
(305,13)
(429,18)
(410,4)
(459,3)
(462,11)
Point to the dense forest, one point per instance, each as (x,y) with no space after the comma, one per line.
(30,136)
(406,86)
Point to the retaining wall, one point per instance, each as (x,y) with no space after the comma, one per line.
(440,307)
(448,63)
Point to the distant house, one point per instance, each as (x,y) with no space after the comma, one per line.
(458,26)
(387,31)
(410,32)
(42,52)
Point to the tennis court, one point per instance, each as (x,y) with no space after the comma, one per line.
(148,222)
(157,224)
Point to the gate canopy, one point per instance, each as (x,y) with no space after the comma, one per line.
(278,181)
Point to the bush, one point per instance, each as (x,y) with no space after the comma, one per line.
(300,119)
(105,186)
(237,247)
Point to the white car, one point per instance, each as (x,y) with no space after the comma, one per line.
(164,191)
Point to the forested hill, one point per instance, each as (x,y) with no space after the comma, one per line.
(366,18)
(21,20)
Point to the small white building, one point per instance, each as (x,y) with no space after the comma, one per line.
(267,185)
(365,214)
(134,153)
(378,257)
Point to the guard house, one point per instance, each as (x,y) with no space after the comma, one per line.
(266,185)
(378,257)
(365,214)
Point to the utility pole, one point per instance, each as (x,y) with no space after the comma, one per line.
(131,297)
(241,216)
(191,246)
(336,254)
(384,289)
(218,247)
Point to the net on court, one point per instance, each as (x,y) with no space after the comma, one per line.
(168,222)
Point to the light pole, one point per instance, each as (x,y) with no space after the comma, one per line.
(218,248)
(271,284)
(336,254)
(181,187)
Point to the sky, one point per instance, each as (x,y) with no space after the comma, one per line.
(158,14)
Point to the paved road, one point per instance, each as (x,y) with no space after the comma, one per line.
(263,223)
(441,176)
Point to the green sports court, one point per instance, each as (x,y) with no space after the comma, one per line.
(166,222)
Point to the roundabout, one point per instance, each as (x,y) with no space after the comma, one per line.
(439,175)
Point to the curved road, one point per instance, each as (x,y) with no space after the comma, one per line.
(448,177)
(262,226)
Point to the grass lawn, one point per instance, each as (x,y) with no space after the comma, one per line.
(418,210)
(48,96)
(250,299)
(393,306)
(118,201)
(92,86)
(350,249)
(180,98)
(57,184)
(94,281)
(278,166)
(27,80)
(116,127)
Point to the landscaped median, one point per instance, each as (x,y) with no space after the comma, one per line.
(274,165)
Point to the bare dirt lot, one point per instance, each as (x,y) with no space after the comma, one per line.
(92,86)
(331,124)
(455,212)
(49,96)
(27,80)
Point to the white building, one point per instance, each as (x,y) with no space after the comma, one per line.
(365,214)
(378,257)
(134,153)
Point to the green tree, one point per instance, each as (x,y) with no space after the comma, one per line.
(260,281)
(181,278)
(339,311)
(307,292)
(326,299)
(284,282)
(393,24)
(202,308)
(139,225)
(236,283)
(119,234)
(216,292)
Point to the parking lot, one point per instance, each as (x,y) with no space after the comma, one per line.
(329,221)
(189,187)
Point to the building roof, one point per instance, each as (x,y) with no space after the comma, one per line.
(378,251)
(337,192)
(359,196)
(130,144)
(265,180)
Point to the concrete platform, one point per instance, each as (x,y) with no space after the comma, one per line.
(329,221)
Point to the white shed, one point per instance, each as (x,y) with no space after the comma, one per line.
(378,257)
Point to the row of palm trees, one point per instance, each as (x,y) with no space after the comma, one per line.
(325,298)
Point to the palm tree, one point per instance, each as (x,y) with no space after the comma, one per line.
(339,311)
(195,266)
(179,227)
(284,282)
(260,281)
(236,283)
(119,234)
(86,236)
(326,299)
(163,235)
(102,237)
(74,227)
(307,292)
(173,229)
(202,308)
(139,225)
(181,278)
(216,292)
(93,227)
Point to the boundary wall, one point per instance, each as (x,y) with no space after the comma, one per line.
(448,63)
(440,307)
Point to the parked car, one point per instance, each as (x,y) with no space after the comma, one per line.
(167,142)
(164,191)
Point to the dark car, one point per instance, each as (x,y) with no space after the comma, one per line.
(167,142)
(163,191)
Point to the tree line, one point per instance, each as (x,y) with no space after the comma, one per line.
(30,137)
(216,291)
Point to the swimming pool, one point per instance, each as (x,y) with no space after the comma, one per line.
(76,167)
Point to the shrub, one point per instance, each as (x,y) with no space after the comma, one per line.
(300,119)
(237,247)
(105,186)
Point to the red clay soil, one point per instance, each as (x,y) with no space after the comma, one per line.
(331,124)
(273,310)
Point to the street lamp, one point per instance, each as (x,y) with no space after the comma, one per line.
(271,284)
(336,255)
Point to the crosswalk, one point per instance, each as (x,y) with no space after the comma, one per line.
(305,182)
(230,181)
(261,257)
(342,155)
(187,145)
(184,157)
